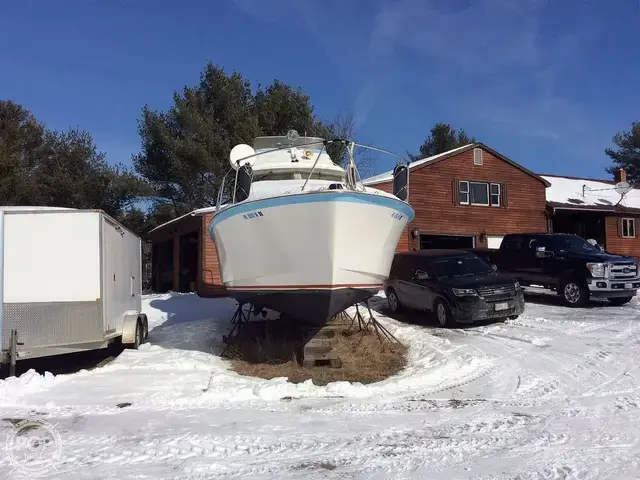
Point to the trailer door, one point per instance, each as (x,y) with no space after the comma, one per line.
(113,277)
(121,253)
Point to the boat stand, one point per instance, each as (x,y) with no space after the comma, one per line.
(238,320)
(372,322)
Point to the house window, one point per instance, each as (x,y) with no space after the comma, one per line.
(463,193)
(495,194)
(628,228)
(479,193)
(477,156)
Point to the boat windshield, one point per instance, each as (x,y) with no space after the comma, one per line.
(268,143)
(298,176)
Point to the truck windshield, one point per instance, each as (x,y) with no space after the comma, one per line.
(570,243)
(459,266)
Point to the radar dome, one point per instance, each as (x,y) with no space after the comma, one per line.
(242,154)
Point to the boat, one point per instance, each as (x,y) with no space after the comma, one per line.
(299,234)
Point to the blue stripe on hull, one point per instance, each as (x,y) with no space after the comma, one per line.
(314,197)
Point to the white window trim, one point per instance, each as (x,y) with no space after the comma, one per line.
(488,194)
(499,204)
(468,192)
(630,222)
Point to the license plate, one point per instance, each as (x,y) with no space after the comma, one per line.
(502,306)
(628,286)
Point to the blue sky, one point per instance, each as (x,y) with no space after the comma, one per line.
(545,82)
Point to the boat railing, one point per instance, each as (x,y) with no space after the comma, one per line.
(353,180)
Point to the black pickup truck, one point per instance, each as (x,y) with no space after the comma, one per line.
(566,265)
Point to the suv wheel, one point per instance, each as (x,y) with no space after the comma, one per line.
(443,313)
(574,293)
(393,301)
(617,301)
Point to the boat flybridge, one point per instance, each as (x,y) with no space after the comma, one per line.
(301,235)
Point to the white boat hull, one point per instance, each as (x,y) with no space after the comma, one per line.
(320,251)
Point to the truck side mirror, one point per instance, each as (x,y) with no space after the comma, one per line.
(494,267)
(541,252)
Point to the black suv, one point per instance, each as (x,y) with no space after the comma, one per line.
(456,285)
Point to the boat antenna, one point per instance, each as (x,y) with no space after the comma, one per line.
(381,150)
(351,168)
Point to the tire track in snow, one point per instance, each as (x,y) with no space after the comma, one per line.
(242,454)
(583,374)
(584,377)
(580,329)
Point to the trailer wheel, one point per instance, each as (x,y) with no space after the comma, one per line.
(138,337)
(145,329)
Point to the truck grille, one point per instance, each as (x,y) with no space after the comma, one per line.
(495,293)
(624,270)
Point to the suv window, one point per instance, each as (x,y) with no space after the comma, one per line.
(459,266)
(401,267)
(511,242)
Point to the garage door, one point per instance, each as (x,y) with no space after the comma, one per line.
(446,241)
(494,241)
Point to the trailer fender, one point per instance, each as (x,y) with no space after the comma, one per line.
(129,328)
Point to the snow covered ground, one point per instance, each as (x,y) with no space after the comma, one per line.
(554,394)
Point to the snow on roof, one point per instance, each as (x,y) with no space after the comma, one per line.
(582,192)
(388,176)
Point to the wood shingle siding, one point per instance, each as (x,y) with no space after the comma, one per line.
(434,195)
(615,242)
(210,280)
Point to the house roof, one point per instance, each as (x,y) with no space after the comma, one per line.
(388,176)
(589,194)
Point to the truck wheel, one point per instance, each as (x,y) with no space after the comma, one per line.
(574,293)
(394,302)
(617,301)
(443,313)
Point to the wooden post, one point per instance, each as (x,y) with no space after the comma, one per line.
(176,263)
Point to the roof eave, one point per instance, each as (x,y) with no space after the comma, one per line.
(593,208)
(456,151)
(544,181)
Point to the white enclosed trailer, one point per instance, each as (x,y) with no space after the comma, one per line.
(70,281)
